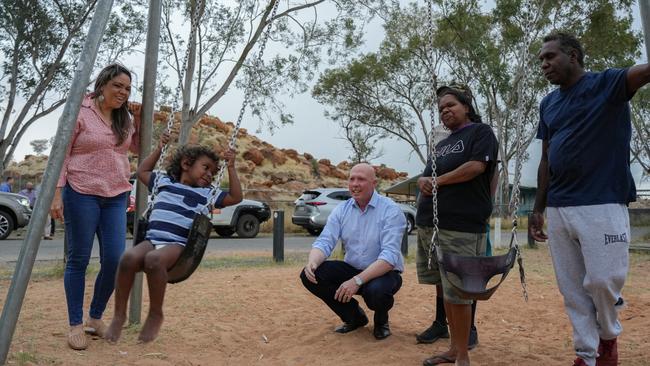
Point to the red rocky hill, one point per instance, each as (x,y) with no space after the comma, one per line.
(266,172)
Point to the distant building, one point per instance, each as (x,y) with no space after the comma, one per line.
(407,187)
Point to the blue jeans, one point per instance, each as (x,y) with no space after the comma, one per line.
(87,215)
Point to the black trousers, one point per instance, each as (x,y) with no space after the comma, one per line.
(377,293)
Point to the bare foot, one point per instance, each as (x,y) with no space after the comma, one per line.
(151,327)
(114,330)
(462,360)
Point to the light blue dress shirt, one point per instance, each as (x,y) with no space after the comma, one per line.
(375,233)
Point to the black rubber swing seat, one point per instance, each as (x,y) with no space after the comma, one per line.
(192,254)
(475,272)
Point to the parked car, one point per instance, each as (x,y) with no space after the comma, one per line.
(243,218)
(14,213)
(314,206)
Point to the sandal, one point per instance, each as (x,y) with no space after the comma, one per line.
(95,327)
(77,339)
(437,360)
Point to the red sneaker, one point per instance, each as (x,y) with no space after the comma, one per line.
(607,353)
(579,362)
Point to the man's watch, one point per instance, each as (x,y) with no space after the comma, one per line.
(358,280)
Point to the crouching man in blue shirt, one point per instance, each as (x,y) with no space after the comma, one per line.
(370,228)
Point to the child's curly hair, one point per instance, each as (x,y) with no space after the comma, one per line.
(189,153)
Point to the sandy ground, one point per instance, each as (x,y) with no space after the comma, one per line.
(263,316)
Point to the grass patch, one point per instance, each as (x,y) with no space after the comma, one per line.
(45,270)
(236,261)
(289,227)
(132,328)
(639,258)
(55,271)
(645,238)
(506,223)
(25,358)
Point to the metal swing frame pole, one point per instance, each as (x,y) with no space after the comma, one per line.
(146,128)
(25,264)
(644,6)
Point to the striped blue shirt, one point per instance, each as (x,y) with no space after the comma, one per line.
(174,208)
(367,236)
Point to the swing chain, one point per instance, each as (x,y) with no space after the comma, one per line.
(247,96)
(176,107)
(175,104)
(522,82)
(432,141)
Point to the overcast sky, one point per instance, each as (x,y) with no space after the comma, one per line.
(311,132)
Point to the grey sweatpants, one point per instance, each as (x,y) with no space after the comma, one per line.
(589,246)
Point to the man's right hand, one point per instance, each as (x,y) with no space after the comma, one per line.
(425,184)
(310,270)
(536,226)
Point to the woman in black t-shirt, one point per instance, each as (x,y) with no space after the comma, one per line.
(465,163)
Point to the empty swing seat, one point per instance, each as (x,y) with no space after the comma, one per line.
(475,272)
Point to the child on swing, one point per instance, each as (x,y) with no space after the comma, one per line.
(182,192)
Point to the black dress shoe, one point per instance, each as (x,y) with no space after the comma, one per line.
(381,331)
(361,321)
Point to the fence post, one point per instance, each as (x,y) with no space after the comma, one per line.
(531,241)
(278,235)
(496,243)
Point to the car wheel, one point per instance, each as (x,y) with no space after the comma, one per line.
(248,226)
(6,225)
(226,232)
(314,232)
(410,224)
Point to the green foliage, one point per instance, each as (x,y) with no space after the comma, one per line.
(640,146)
(491,49)
(363,142)
(25,358)
(314,168)
(229,41)
(41,43)
(384,94)
(39,145)
(483,49)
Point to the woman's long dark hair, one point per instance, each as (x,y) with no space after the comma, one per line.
(121,118)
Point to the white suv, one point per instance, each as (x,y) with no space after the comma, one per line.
(243,218)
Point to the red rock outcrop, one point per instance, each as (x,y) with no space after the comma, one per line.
(276,157)
(254,155)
